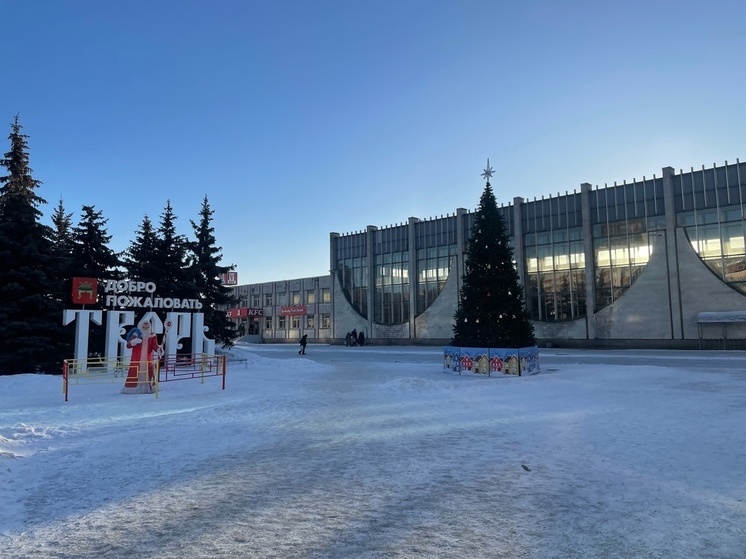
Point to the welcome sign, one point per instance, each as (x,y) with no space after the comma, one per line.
(120,298)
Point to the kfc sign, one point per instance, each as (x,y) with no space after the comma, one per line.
(244,312)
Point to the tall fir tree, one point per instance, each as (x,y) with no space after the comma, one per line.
(492,310)
(140,259)
(92,257)
(208,271)
(62,231)
(30,312)
(62,241)
(175,276)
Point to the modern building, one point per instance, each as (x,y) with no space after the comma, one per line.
(657,262)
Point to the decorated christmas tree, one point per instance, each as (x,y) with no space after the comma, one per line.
(492,311)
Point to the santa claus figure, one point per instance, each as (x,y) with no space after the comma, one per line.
(145,351)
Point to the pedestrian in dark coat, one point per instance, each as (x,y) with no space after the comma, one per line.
(303,342)
(353,337)
(361,339)
(348,337)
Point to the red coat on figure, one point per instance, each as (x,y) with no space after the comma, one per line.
(141,373)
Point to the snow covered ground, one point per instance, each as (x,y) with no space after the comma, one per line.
(375,452)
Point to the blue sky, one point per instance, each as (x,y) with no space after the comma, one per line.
(299,118)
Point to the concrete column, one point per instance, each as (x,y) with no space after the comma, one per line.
(520,257)
(461,242)
(674,292)
(412,271)
(461,216)
(370,235)
(333,272)
(590,262)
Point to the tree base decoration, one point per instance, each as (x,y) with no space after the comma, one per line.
(492,361)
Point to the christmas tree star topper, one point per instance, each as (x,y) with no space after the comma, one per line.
(488,171)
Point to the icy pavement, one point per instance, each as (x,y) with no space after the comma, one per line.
(377,453)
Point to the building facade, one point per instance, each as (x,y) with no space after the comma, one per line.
(657,262)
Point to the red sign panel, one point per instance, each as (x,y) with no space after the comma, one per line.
(85,291)
(244,312)
(293,310)
(229,278)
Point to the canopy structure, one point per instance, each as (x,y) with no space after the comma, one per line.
(724,318)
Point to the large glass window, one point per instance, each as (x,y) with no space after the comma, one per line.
(720,246)
(621,250)
(555,268)
(392,281)
(353,275)
(433,268)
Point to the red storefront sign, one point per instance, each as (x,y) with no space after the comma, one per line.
(244,312)
(229,278)
(293,310)
(85,291)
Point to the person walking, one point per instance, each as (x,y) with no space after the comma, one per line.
(353,338)
(303,342)
(361,339)
(348,336)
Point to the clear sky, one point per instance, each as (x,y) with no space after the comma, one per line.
(299,118)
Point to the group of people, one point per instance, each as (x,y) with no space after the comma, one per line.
(353,339)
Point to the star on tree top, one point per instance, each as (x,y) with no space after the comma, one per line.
(487,174)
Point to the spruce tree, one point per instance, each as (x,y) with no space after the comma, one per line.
(174,274)
(93,258)
(62,228)
(91,254)
(214,295)
(492,311)
(62,242)
(140,259)
(30,312)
